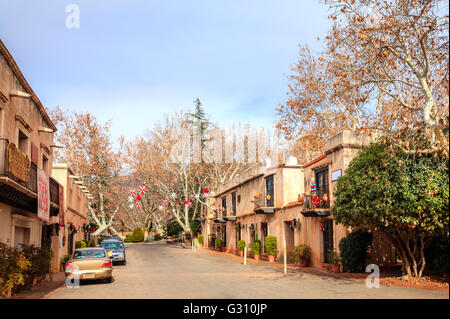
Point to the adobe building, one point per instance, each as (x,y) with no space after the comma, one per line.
(291,202)
(73,220)
(249,206)
(29,196)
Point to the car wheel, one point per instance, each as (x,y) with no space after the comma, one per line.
(124,262)
(108,280)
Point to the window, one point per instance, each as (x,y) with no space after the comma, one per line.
(45,164)
(233,203)
(269,191)
(224,206)
(89,253)
(322,182)
(23,142)
(112,245)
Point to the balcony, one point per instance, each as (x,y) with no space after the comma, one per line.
(263,204)
(18,180)
(316,205)
(220,213)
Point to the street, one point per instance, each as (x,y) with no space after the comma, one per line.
(161,270)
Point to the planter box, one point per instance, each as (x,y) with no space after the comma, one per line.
(335,268)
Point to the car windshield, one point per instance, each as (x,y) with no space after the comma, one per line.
(89,253)
(112,245)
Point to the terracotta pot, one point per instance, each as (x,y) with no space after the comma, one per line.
(271,259)
(335,268)
(241,253)
(256,256)
(218,249)
(303,262)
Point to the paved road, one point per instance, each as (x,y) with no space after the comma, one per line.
(161,270)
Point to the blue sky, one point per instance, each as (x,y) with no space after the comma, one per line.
(133,61)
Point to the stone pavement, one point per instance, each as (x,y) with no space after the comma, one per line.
(162,271)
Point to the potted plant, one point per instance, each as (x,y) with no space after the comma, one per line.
(302,255)
(256,248)
(64,259)
(200,239)
(218,245)
(270,243)
(241,247)
(334,260)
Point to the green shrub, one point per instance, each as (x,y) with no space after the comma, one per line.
(137,236)
(91,243)
(80,244)
(437,256)
(99,240)
(301,252)
(241,245)
(270,243)
(353,250)
(40,258)
(65,258)
(13,268)
(158,237)
(256,247)
(218,243)
(200,239)
(127,239)
(333,257)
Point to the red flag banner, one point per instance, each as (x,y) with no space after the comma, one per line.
(43,195)
(61,205)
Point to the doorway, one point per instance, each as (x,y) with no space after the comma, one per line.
(264,234)
(327,239)
(21,236)
(289,235)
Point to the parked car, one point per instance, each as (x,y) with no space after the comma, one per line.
(116,249)
(90,263)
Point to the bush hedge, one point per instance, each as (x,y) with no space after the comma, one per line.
(256,247)
(138,235)
(270,243)
(13,269)
(218,243)
(40,258)
(301,252)
(158,237)
(80,244)
(200,239)
(353,250)
(241,245)
(127,239)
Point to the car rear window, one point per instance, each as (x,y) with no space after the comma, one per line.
(112,245)
(89,253)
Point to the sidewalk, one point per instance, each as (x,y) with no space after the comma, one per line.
(43,290)
(386,278)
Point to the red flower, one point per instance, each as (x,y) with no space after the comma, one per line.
(142,190)
(138,197)
(205,191)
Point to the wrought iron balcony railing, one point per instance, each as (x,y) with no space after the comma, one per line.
(316,200)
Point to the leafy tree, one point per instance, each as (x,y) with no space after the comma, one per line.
(404,195)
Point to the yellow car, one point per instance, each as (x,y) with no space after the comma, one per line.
(90,263)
